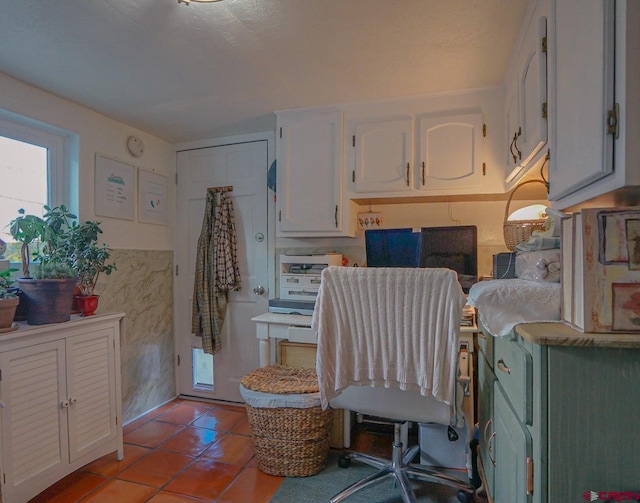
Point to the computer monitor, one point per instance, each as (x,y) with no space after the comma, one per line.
(392,247)
(454,248)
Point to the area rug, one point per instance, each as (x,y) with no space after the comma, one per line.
(322,487)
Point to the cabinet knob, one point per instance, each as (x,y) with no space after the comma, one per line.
(64,404)
(258,290)
(73,400)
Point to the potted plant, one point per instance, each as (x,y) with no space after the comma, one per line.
(89,259)
(48,295)
(8,300)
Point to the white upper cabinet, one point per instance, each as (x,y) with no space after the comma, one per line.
(450,152)
(431,145)
(584,85)
(597,103)
(383,155)
(310,169)
(526,99)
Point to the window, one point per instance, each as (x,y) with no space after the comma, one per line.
(31,174)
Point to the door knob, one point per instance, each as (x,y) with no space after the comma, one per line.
(258,290)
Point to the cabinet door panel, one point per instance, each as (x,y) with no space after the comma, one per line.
(486,381)
(533,91)
(513,447)
(583,93)
(92,409)
(309,184)
(450,152)
(383,150)
(34,429)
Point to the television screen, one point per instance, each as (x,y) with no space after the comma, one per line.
(392,247)
(454,248)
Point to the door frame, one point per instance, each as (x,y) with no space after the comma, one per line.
(269,137)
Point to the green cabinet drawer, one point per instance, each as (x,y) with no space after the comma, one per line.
(513,369)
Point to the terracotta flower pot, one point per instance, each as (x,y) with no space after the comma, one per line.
(87,304)
(7,311)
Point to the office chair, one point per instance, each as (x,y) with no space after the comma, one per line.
(388,347)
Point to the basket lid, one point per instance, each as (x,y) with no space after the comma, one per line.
(281,379)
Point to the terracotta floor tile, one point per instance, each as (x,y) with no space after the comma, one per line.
(204,478)
(219,419)
(121,492)
(191,441)
(232,449)
(135,424)
(251,485)
(156,469)
(184,413)
(152,434)
(242,428)
(109,466)
(167,497)
(69,489)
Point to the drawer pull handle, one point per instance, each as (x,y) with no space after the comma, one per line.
(490,450)
(502,367)
(486,427)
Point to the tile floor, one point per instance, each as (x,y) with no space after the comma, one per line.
(184,451)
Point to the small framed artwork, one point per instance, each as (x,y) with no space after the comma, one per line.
(114,188)
(633,243)
(153,206)
(626,307)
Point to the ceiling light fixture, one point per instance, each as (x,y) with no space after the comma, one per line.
(187,2)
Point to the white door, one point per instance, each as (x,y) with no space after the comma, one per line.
(244,167)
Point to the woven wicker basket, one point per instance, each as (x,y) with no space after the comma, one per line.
(288,442)
(519,231)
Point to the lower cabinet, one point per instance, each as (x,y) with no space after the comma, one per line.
(558,421)
(60,402)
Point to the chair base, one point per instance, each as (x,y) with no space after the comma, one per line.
(401,468)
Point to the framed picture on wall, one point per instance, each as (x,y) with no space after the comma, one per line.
(153,207)
(114,188)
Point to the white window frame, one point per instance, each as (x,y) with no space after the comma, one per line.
(62,154)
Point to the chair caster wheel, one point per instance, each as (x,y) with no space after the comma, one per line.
(344,461)
(464,497)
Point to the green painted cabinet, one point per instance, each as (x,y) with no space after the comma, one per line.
(560,419)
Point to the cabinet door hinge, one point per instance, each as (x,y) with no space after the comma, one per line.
(280,132)
(353,176)
(176,269)
(613,121)
(529,476)
(280,216)
(353,141)
(484,130)
(544,44)
(544,110)
(0,374)
(484,169)
(176,178)
(116,420)
(178,360)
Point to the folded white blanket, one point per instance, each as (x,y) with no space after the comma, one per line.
(388,327)
(504,303)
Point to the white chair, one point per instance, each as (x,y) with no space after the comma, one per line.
(388,347)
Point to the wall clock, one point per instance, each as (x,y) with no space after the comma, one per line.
(135,146)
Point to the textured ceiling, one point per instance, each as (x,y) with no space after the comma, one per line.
(200,71)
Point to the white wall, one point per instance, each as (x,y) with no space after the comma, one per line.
(97,133)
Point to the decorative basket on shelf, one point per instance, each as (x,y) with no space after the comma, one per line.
(519,231)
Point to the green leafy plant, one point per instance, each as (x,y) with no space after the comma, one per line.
(88,258)
(6,280)
(45,233)
(27,229)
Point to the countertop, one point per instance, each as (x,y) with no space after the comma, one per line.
(561,334)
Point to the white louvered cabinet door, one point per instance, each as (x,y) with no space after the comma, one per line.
(91,392)
(33,416)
